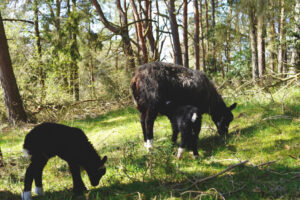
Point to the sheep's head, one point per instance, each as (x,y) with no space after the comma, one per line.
(96,174)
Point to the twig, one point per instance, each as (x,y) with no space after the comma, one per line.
(218,174)
(267,163)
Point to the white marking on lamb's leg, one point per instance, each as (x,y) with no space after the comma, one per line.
(26,154)
(194,117)
(39,190)
(196,157)
(26,195)
(180,152)
(149,144)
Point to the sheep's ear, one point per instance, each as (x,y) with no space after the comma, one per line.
(104,159)
(232,106)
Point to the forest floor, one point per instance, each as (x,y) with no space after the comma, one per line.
(265,132)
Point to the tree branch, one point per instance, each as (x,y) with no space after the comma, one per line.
(19,20)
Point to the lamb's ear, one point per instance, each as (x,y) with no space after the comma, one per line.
(104,159)
(232,106)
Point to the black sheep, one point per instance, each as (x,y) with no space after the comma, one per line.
(155,83)
(187,121)
(71,144)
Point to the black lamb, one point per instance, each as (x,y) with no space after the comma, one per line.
(155,83)
(71,144)
(186,120)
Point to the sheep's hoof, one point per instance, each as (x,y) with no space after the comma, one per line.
(39,191)
(196,157)
(180,153)
(26,195)
(149,145)
(79,191)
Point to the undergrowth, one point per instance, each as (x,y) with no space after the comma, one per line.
(265,132)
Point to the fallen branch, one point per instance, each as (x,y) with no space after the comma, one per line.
(218,174)
(267,163)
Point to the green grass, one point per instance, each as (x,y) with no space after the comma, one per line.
(266,128)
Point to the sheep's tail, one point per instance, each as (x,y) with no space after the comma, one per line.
(194,117)
(26,153)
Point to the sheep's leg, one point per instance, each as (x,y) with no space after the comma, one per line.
(142,120)
(175,131)
(78,185)
(29,176)
(150,118)
(38,176)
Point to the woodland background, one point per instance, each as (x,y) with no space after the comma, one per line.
(71,61)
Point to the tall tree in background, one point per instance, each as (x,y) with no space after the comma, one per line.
(185,34)
(12,96)
(140,32)
(272,34)
(295,60)
(202,38)
(282,40)
(174,32)
(196,35)
(74,52)
(261,34)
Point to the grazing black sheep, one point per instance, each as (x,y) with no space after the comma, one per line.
(187,121)
(155,83)
(71,144)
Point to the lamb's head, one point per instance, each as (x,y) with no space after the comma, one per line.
(224,120)
(96,173)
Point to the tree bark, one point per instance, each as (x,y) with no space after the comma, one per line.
(261,33)
(185,34)
(253,41)
(213,22)
(39,48)
(272,39)
(207,26)
(196,36)
(202,38)
(140,32)
(174,32)
(282,43)
(12,96)
(295,60)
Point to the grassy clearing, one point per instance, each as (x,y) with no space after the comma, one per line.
(266,128)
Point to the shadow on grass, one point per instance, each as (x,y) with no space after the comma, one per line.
(7,195)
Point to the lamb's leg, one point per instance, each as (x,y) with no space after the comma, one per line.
(183,143)
(195,136)
(78,185)
(29,175)
(150,118)
(38,176)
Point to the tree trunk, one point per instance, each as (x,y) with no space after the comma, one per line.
(185,34)
(12,96)
(253,41)
(140,32)
(213,22)
(272,39)
(295,60)
(207,26)
(261,33)
(196,36)
(39,48)
(202,39)
(174,32)
(282,43)
(74,55)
